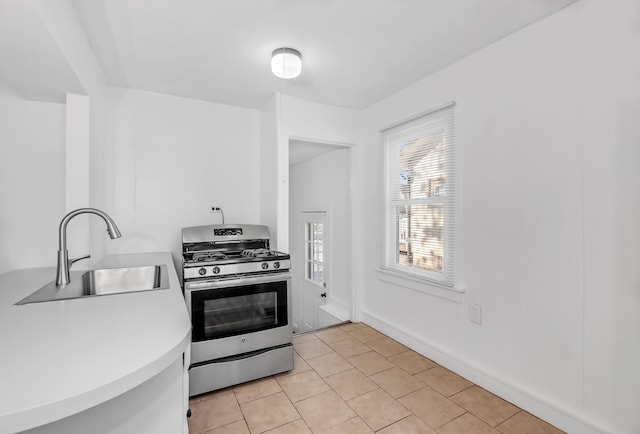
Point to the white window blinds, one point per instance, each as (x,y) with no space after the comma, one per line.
(420,201)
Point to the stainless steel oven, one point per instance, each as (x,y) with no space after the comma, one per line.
(238,293)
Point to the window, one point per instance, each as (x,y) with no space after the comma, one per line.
(314,266)
(419,200)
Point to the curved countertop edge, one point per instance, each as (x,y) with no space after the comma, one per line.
(58,410)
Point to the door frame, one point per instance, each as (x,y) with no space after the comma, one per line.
(354,309)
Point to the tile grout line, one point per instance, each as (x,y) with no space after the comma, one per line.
(455,418)
(286,423)
(510,417)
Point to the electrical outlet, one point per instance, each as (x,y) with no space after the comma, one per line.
(475,313)
(213,209)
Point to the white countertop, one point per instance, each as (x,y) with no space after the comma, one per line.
(62,357)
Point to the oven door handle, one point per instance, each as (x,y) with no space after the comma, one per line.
(200,285)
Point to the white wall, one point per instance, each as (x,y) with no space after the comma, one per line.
(32,181)
(549,239)
(269,127)
(174,159)
(320,122)
(61,21)
(77,174)
(322,184)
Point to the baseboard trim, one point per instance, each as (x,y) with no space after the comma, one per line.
(542,408)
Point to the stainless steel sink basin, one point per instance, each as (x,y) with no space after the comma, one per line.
(116,280)
(105,281)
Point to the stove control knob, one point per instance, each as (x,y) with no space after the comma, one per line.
(202,271)
(216,270)
(276,265)
(264,265)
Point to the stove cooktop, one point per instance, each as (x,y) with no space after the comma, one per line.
(216,251)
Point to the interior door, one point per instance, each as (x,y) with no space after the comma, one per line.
(316,268)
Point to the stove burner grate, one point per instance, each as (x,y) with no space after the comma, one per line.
(259,253)
(208,256)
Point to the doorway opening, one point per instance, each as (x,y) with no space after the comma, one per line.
(320,233)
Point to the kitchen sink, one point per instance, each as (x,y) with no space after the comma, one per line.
(115,280)
(104,281)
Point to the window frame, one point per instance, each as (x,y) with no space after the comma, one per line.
(311,260)
(392,137)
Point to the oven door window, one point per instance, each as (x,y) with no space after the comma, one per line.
(231,311)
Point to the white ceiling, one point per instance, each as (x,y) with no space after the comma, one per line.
(355,52)
(30,62)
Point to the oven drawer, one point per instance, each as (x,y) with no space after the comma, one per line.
(230,371)
(240,344)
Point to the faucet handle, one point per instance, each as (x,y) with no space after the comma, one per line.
(73,261)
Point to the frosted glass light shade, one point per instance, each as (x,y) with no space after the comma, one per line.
(286,63)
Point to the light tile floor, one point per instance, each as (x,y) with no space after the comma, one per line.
(352,379)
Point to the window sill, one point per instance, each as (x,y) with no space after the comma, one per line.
(421,285)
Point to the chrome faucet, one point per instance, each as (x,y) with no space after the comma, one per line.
(64,263)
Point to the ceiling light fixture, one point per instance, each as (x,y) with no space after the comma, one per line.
(286,63)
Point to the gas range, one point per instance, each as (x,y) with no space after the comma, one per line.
(238,293)
(231,250)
